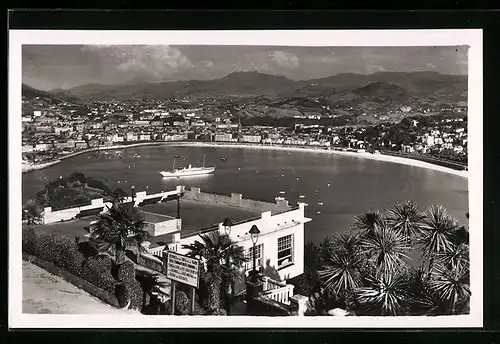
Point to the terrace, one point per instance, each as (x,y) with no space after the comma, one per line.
(196,216)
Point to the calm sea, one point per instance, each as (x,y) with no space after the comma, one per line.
(336,188)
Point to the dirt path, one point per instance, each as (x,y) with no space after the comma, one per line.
(44,293)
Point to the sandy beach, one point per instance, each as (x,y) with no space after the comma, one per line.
(379,157)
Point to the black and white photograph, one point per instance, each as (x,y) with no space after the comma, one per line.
(281,178)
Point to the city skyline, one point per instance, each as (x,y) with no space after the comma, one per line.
(48,67)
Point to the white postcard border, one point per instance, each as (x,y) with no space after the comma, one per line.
(470,37)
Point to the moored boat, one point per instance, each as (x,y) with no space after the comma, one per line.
(188,171)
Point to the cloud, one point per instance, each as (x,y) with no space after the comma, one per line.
(375,68)
(206,63)
(284,59)
(153,60)
(430,65)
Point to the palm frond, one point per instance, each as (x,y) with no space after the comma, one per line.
(406,219)
(368,223)
(386,250)
(342,274)
(385,295)
(451,286)
(437,231)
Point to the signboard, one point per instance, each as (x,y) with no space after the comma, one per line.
(183,269)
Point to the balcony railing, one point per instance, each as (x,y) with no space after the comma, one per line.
(157,251)
(277,291)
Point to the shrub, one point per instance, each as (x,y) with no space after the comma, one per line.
(219,312)
(126,275)
(42,248)
(72,260)
(29,240)
(182,303)
(75,280)
(97,271)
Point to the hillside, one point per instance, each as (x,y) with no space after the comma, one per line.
(48,97)
(253,84)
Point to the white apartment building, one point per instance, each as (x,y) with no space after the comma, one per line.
(223,137)
(131,137)
(251,138)
(279,248)
(144,137)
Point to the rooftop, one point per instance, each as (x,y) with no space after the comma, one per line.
(195,215)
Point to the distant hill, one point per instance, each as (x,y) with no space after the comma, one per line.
(50,97)
(252,84)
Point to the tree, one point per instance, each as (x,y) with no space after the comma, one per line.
(384,295)
(437,233)
(342,273)
(118,229)
(118,195)
(386,250)
(376,248)
(215,250)
(405,219)
(367,223)
(32,212)
(451,287)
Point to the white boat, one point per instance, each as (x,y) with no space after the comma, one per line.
(188,171)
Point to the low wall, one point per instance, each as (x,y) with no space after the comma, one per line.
(165,227)
(235,200)
(49,216)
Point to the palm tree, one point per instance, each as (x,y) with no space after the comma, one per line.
(342,273)
(451,287)
(437,233)
(456,257)
(384,295)
(367,223)
(406,219)
(216,250)
(32,212)
(119,229)
(386,250)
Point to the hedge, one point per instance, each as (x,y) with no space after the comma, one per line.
(81,283)
(65,254)
(97,270)
(133,289)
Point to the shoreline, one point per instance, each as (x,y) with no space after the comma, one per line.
(378,157)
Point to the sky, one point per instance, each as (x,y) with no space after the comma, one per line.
(48,67)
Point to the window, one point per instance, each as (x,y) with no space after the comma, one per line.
(258,257)
(285,256)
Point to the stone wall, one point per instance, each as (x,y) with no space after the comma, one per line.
(49,216)
(236,200)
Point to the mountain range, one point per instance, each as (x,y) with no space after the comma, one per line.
(346,88)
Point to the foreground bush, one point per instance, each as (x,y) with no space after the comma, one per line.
(65,254)
(97,270)
(79,282)
(133,291)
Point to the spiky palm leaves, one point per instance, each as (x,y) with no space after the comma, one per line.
(405,219)
(386,250)
(369,264)
(367,223)
(384,295)
(437,233)
(450,286)
(222,258)
(119,229)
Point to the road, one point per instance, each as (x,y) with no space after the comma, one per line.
(44,293)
